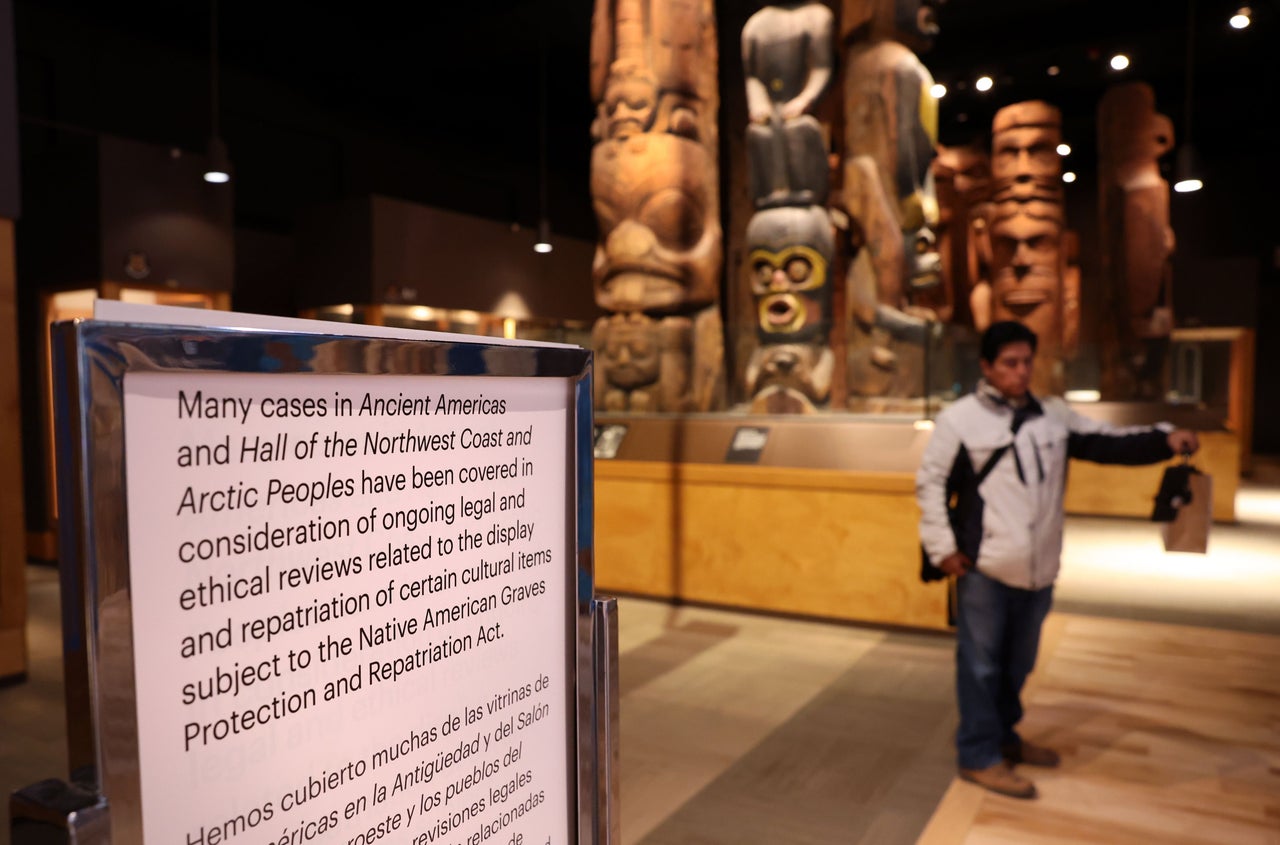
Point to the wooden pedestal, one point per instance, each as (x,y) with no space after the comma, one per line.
(822,523)
(826,543)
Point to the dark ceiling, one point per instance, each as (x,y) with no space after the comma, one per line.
(440,103)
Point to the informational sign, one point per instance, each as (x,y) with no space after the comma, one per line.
(747,445)
(608,440)
(351,607)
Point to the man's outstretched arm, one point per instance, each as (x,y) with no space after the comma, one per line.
(1091,440)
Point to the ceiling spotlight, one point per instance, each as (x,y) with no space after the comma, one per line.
(544,237)
(218,171)
(1242,18)
(1119,61)
(1186,171)
(938,91)
(1064,149)
(1068,177)
(1054,70)
(984,83)
(219,168)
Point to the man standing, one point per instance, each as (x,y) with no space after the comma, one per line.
(990,489)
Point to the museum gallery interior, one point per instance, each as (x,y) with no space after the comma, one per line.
(781,231)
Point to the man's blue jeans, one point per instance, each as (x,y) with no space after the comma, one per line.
(997,636)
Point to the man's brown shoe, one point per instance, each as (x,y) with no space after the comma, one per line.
(1001,778)
(1029,754)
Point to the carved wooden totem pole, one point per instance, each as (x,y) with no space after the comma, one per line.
(655,186)
(1022,241)
(890,133)
(962,177)
(787,53)
(1137,241)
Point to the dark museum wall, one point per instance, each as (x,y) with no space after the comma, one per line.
(10,179)
(437,111)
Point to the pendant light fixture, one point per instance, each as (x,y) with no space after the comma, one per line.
(543,244)
(219,166)
(1186,170)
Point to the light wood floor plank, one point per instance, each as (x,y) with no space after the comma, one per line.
(1169,734)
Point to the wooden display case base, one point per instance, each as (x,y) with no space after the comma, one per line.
(675,518)
(815,542)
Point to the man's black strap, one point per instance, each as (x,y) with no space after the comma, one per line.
(996,455)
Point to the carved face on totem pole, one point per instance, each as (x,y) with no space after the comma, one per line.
(962,179)
(642,363)
(632,351)
(1027,261)
(659,221)
(1025,164)
(630,102)
(654,179)
(789,378)
(788,265)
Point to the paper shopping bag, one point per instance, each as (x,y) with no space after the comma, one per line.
(1189,530)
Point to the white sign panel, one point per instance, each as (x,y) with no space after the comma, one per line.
(350,607)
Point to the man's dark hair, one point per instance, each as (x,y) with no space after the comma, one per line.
(999,335)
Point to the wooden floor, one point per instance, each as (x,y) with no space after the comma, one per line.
(744,729)
(739,728)
(1169,734)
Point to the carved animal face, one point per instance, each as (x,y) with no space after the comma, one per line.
(659,224)
(802,367)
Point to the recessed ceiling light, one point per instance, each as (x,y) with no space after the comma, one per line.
(1064,149)
(1119,61)
(938,90)
(1242,18)
(984,83)
(1068,177)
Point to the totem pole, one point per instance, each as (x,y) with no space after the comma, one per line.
(655,186)
(1022,240)
(962,178)
(1137,241)
(787,55)
(890,134)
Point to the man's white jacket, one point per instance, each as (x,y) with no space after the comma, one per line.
(1009,522)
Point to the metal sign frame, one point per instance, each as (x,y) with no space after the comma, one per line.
(91,359)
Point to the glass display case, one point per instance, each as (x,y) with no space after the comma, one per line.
(77,303)
(1212,368)
(458,321)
